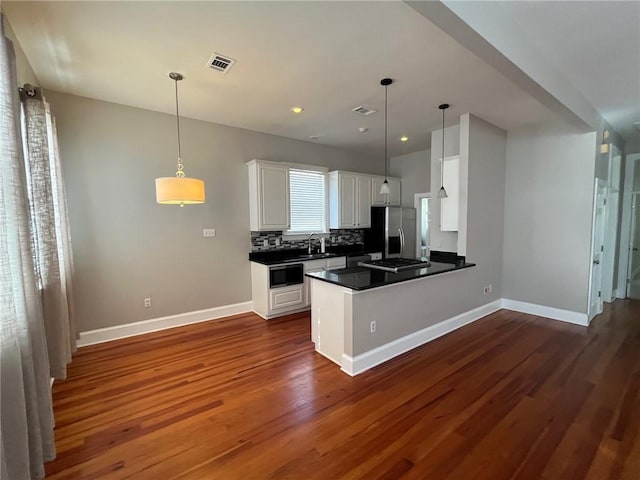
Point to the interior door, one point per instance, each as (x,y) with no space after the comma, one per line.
(634,254)
(597,247)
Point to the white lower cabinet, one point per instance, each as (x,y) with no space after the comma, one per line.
(287,297)
(274,302)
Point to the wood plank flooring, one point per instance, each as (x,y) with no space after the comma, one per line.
(511,396)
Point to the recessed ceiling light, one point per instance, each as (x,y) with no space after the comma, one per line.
(297,109)
(404,138)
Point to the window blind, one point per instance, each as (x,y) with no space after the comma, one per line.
(307,198)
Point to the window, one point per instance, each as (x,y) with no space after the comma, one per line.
(308,202)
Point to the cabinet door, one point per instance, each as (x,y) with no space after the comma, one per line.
(376,197)
(363,202)
(395,197)
(273,198)
(347,200)
(449,206)
(290,297)
(392,198)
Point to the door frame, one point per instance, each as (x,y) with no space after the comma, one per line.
(598,184)
(417,203)
(631,162)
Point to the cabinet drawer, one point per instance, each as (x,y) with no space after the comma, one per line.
(286,297)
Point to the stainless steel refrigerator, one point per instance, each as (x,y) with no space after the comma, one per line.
(392,232)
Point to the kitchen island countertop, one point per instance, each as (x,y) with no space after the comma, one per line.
(363,278)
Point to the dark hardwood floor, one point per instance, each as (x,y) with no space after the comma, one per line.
(511,396)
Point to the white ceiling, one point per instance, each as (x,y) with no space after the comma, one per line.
(325,56)
(596,46)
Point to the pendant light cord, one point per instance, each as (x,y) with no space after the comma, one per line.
(442,163)
(386,107)
(178,121)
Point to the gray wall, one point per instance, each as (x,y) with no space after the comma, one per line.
(447,241)
(547,219)
(433,300)
(415,173)
(127,247)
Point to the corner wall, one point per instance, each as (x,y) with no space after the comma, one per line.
(127,247)
(547,216)
(414,170)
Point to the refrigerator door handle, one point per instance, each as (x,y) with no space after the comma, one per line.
(401,242)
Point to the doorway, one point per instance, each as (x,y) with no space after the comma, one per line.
(628,281)
(633,290)
(421,203)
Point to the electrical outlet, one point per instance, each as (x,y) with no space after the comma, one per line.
(265,243)
(147,302)
(487,290)
(208,232)
(373,326)
(490,288)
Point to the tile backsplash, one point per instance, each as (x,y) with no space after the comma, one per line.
(337,237)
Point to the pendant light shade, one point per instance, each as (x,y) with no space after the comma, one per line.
(442,193)
(179,190)
(385,189)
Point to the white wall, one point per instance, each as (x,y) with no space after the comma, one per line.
(127,247)
(414,170)
(24,72)
(547,218)
(447,241)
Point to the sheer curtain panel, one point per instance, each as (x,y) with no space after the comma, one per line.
(50,230)
(26,416)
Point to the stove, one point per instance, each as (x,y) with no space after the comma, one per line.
(395,264)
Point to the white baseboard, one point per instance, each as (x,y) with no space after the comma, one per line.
(356,365)
(107,334)
(544,311)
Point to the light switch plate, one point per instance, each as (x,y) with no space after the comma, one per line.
(208,232)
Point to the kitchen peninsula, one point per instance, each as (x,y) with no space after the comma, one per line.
(361,317)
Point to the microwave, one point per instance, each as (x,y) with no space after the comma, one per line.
(283,275)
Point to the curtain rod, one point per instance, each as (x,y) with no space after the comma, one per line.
(29,91)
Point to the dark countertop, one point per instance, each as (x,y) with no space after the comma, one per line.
(288,256)
(362,278)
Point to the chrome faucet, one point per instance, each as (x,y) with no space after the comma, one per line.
(309,240)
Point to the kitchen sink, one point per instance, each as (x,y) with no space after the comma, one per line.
(313,256)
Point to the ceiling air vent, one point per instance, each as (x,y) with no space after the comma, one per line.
(221,63)
(363,110)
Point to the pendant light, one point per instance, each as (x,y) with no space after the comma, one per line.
(442,193)
(385,190)
(179,190)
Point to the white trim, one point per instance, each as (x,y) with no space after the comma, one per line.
(356,365)
(569,316)
(107,334)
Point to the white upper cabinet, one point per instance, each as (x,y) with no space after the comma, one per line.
(349,200)
(392,198)
(268,196)
(450,206)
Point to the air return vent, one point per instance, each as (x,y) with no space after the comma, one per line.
(363,110)
(220,63)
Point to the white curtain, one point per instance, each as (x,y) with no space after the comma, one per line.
(50,230)
(26,416)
